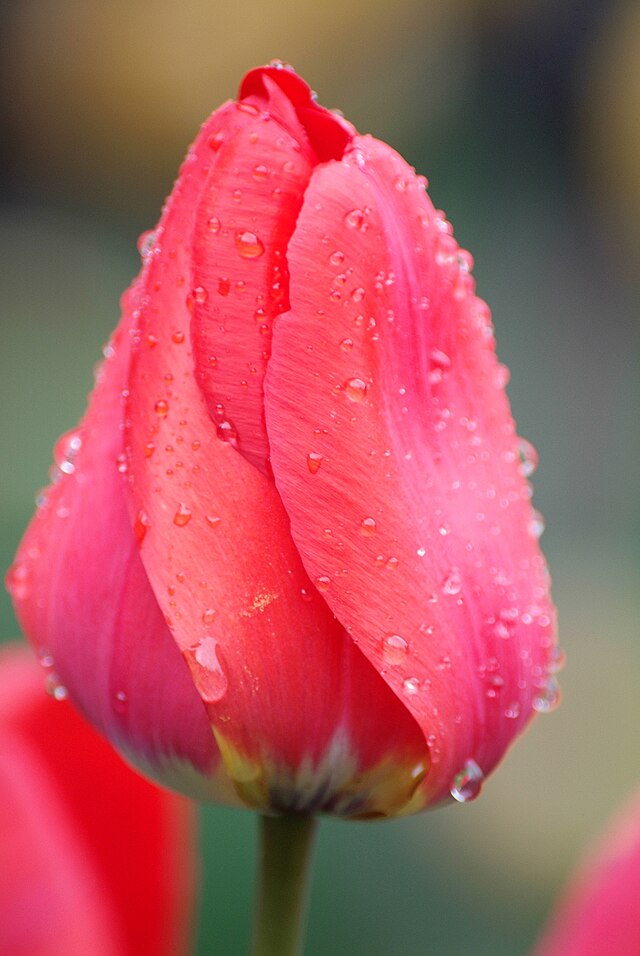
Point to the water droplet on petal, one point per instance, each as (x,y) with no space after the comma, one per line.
(200,295)
(323,583)
(528,457)
(355,389)
(394,649)
(368,527)
(140,527)
(355,219)
(161,408)
(208,615)
(212,520)
(313,462)
(120,702)
(536,524)
(208,675)
(467,784)
(17,581)
(182,515)
(547,697)
(54,687)
(248,245)
(411,686)
(452,584)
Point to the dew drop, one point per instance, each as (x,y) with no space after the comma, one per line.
(200,294)
(368,527)
(355,389)
(54,687)
(260,173)
(394,649)
(336,258)
(161,408)
(208,615)
(213,225)
(536,524)
(17,581)
(346,345)
(355,219)
(212,520)
(248,245)
(411,686)
(208,675)
(146,243)
(224,286)
(557,660)
(391,564)
(177,338)
(467,784)
(528,457)
(323,583)
(148,449)
(182,515)
(140,527)
(120,702)
(314,460)
(547,697)
(452,584)
(226,432)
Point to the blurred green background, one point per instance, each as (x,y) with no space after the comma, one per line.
(525,117)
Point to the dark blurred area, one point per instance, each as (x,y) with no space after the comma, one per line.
(525,118)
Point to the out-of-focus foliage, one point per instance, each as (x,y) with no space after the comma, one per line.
(524,117)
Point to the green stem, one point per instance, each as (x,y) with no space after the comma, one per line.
(286,845)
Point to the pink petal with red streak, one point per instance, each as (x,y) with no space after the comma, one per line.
(395,454)
(276,670)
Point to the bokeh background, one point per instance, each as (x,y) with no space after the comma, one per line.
(525,117)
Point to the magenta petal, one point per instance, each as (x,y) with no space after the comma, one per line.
(394,452)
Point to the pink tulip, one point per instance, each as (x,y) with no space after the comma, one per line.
(93,859)
(299,471)
(600,912)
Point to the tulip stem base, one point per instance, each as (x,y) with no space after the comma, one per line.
(286,847)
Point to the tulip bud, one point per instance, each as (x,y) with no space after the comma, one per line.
(298,469)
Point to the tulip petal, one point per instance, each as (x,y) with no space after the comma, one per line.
(599,913)
(395,454)
(282,682)
(246,214)
(94,858)
(84,601)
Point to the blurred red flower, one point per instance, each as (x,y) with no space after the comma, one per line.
(299,471)
(93,858)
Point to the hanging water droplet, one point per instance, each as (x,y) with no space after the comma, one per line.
(182,515)
(394,649)
(467,784)
(248,245)
(355,389)
(528,457)
(557,660)
(208,676)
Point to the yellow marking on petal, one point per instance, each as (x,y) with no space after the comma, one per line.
(260,602)
(334,785)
